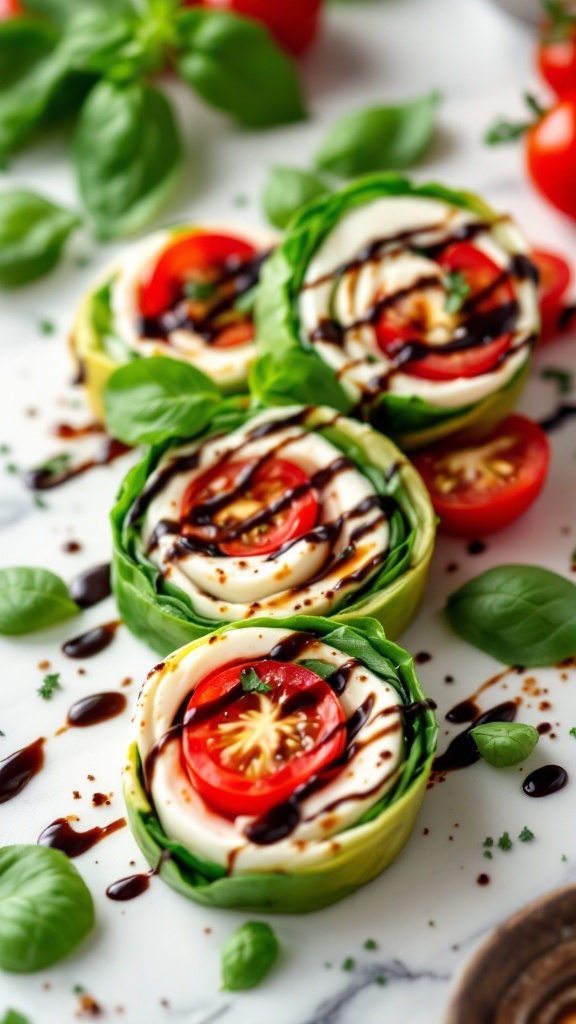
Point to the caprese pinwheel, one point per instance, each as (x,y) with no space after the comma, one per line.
(278,765)
(270,512)
(416,304)
(187,292)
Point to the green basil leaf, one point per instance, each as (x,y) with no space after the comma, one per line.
(379,138)
(296,376)
(520,614)
(251,682)
(287,190)
(13,1017)
(321,668)
(31,599)
(152,400)
(23,43)
(45,907)
(127,150)
(248,955)
(236,66)
(505,743)
(33,231)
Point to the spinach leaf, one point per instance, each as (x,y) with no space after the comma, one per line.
(287,190)
(45,907)
(23,43)
(505,743)
(152,400)
(33,231)
(520,614)
(248,955)
(379,138)
(31,599)
(236,66)
(126,150)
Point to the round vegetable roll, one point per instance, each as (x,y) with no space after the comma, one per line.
(413,306)
(270,512)
(278,764)
(187,292)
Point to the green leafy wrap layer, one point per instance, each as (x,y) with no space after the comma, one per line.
(163,615)
(361,851)
(289,368)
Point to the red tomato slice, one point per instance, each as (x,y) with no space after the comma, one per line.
(250,498)
(481,275)
(245,752)
(555,276)
(194,257)
(293,23)
(482,486)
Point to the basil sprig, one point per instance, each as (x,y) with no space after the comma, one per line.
(520,614)
(287,189)
(32,599)
(248,955)
(504,743)
(153,400)
(33,231)
(45,907)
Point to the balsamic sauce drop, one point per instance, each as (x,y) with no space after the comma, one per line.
(92,586)
(60,835)
(128,888)
(545,781)
(465,711)
(17,770)
(95,640)
(100,707)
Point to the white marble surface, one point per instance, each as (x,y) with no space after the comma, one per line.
(157,957)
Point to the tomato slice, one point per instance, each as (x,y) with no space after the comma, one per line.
(482,486)
(246,751)
(221,500)
(555,277)
(487,292)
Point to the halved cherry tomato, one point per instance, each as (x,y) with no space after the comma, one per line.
(9,9)
(293,23)
(557,55)
(551,155)
(251,499)
(244,751)
(481,275)
(555,276)
(483,485)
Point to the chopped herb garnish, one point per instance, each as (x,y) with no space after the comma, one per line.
(564,857)
(505,843)
(349,964)
(39,502)
(56,465)
(573,731)
(4,449)
(526,835)
(432,924)
(50,683)
(78,990)
(562,378)
(380,979)
(199,290)
(47,326)
(488,854)
(251,682)
(370,944)
(2,733)
(457,291)
(488,841)
(11,467)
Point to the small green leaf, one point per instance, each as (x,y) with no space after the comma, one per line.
(45,907)
(504,743)
(573,731)
(127,151)
(32,599)
(50,683)
(321,668)
(458,290)
(248,955)
(152,400)
(520,614)
(349,964)
(251,682)
(287,190)
(380,138)
(526,836)
(33,231)
(236,66)
(370,944)
(488,841)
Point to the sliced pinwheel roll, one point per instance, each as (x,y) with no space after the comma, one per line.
(188,293)
(417,305)
(270,512)
(278,765)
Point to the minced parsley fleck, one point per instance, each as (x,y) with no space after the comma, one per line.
(564,857)
(488,854)
(505,843)
(50,683)
(488,841)
(370,944)
(47,326)
(573,731)
(526,835)
(349,964)
(11,467)
(380,979)
(4,449)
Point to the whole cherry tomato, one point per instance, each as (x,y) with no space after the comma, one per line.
(557,50)
(555,276)
(551,155)
(293,23)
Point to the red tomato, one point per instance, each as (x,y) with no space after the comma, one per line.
(238,497)
(245,752)
(557,56)
(551,155)
(555,276)
(9,9)
(480,273)
(483,485)
(293,23)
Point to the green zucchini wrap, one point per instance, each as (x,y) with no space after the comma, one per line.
(277,765)
(411,306)
(270,512)
(187,292)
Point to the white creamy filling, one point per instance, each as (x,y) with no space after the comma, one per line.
(187,818)
(226,588)
(229,366)
(359,362)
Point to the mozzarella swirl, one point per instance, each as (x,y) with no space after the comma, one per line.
(391,257)
(369,769)
(313,571)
